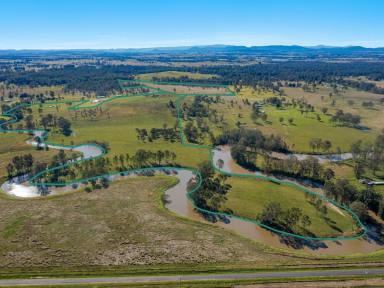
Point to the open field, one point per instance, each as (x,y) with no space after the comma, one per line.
(112,228)
(119,119)
(248,197)
(119,129)
(121,225)
(297,134)
(349,100)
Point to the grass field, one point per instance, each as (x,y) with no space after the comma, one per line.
(297,135)
(349,100)
(116,124)
(120,130)
(248,197)
(120,226)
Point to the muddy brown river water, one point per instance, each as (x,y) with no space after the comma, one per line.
(180,204)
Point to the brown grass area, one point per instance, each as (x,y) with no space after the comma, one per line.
(121,225)
(372,118)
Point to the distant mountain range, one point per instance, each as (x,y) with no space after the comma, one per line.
(255,49)
(216,49)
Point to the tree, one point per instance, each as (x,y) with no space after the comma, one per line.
(104,182)
(306,221)
(213,190)
(271,214)
(328,174)
(292,216)
(360,210)
(191,132)
(159,156)
(64,126)
(326,145)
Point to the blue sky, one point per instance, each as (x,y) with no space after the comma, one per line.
(78,24)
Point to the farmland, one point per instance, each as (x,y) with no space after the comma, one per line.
(173,119)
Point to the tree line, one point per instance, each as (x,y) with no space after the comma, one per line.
(167,134)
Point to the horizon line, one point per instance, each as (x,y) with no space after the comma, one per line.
(324,46)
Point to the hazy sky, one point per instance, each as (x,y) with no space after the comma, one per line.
(65,24)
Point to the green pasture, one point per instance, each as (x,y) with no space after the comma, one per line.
(248,197)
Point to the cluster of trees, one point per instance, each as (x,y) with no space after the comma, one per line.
(191,133)
(20,165)
(135,90)
(368,156)
(341,190)
(266,74)
(100,80)
(197,107)
(26,164)
(300,104)
(318,143)
(275,101)
(368,104)
(212,193)
(345,192)
(51,121)
(309,168)
(252,139)
(362,85)
(19,113)
(91,114)
(197,112)
(103,165)
(257,112)
(196,134)
(289,220)
(346,118)
(96,184)
(168,134)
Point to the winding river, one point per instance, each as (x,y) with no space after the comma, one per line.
(20,187)
(178,202)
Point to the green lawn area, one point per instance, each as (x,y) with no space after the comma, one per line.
(248,197)
(120,130)
(306,126)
